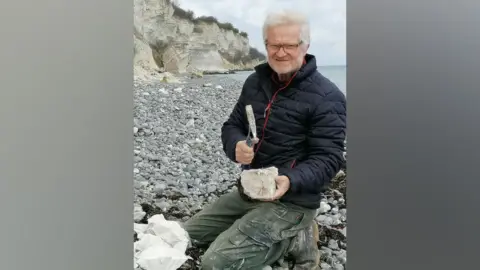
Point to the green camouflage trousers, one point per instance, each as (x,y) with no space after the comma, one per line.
(246,234)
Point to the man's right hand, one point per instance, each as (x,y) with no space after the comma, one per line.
(244,153)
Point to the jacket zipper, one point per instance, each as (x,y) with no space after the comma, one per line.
(268,110)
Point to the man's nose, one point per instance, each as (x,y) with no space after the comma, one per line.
(281,52)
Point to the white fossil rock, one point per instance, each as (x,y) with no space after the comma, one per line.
(259,183)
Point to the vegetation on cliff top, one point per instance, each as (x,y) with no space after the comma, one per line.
(256,54)
(190,15)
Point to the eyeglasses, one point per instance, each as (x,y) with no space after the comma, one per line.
(286,47)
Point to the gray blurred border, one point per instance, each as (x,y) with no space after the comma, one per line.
(66,152)
(413,131)
(66,131)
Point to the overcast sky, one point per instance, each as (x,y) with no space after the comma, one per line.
(327,19)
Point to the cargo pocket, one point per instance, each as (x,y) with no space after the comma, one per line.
(289,215)
(257,231)
(238,239)
(290,221)
(242,247)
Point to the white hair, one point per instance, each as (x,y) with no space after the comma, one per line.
(286,17)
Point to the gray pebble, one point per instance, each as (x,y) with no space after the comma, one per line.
(160,187)
(325,266)
(211,189)
(338,267)
(163,205)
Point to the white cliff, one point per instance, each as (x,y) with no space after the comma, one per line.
(168,38)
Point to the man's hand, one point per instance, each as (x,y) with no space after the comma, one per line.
(244,153)
(283,184)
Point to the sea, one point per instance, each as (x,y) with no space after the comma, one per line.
(337,74)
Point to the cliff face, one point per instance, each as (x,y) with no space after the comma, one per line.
(170,39)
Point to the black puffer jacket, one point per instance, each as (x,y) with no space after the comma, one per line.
(301,126)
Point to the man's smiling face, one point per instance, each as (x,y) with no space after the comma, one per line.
(285,51)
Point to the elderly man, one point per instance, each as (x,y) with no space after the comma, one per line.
(301,119)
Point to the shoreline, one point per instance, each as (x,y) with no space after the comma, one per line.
(179,165)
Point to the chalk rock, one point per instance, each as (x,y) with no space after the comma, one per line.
(324,207)
(163,91)
(171,231)
(259,183)
(162,244)
(140,229)
(159,257)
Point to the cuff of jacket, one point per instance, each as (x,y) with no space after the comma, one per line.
(294,178)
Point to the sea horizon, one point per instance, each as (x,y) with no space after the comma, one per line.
(336,73)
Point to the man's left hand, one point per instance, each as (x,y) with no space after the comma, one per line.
(283,184)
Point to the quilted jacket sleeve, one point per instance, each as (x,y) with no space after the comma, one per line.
(325,140)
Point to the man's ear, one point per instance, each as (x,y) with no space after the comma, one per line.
(306,47)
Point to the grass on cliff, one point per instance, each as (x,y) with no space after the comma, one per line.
(190,15)
(255,54)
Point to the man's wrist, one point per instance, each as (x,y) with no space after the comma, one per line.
(291,180)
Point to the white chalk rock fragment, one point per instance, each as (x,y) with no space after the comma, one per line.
(149,240)
(139,227)
(162,244)
(170,231)
(340,173)
(259,183)
(161,257)
(324,207)
(163,91)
